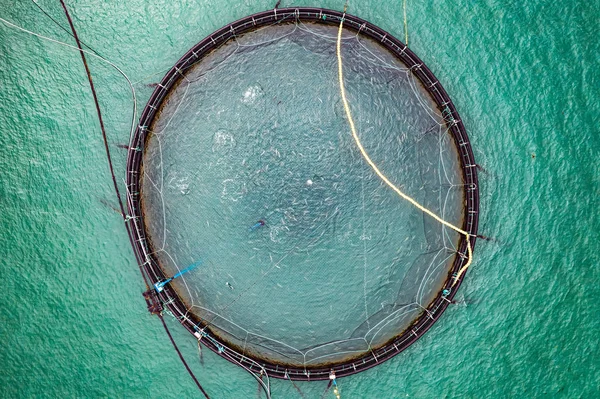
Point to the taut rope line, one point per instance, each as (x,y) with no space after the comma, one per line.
(405,24)
(376,169)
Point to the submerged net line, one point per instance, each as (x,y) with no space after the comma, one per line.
(199,326)
(376,169)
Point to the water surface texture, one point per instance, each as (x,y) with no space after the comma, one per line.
(524,78)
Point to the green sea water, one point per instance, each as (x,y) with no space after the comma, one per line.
(524,77)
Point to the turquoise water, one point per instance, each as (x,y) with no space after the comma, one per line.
(524,78)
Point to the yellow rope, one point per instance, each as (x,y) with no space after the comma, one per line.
(376,169)
(405,24)
(336,392)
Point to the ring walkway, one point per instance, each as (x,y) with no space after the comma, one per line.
(149,263)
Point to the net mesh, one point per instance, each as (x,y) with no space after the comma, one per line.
(256,131)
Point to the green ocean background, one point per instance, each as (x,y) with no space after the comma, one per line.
(525,78)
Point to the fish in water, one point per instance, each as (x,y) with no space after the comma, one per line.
(257,225)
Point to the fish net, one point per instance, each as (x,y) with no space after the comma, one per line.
(306,258)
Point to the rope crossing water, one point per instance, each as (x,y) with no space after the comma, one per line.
(116,187)
(365,155)
(405,24)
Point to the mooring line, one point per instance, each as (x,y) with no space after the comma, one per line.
(106,147)
(405,23)
(181,356)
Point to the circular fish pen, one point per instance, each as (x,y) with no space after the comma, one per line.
(259,223)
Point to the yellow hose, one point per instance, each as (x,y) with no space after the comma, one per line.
(405,24)
(376,169)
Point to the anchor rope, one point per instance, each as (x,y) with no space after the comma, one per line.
(373,166)
(405,23)
(116,187)
(35,2)
(181,357)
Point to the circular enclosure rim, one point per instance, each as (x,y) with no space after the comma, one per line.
(149,263)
